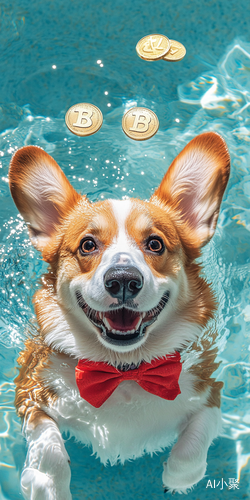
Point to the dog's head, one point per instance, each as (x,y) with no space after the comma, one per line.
(123,281)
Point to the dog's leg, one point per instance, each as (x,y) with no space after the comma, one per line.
(187,462)
(46,474)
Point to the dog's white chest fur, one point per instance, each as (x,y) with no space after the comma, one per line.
(130,423)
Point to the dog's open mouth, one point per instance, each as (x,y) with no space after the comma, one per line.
(122,326)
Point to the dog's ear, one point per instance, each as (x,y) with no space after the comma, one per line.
(41,192)
(194,184)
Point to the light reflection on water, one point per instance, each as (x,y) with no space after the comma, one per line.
(110,165)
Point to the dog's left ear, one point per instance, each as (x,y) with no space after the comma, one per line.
(195,182)
(41,192)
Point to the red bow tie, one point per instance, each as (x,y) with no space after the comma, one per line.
(97,381)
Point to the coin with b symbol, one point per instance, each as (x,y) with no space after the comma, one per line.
(84,119)
(140,123)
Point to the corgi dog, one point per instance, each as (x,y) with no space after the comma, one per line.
(124,355)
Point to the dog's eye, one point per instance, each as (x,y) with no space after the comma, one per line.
(155,245)
(87,246)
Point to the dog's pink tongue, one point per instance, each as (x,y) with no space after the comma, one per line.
(122,319)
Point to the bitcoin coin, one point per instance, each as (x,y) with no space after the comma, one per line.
(176,53)
(84,119)
(140,123)
(153,47)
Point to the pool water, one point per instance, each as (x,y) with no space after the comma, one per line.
(56,54)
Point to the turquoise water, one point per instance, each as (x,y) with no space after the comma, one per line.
(50,60)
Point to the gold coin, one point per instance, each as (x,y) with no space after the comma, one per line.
(140,123)
(153,47)
(176,53)
(83,119)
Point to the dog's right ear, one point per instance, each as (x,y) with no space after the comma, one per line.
(41,192)
(194,185)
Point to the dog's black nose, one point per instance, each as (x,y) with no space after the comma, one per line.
(123,282)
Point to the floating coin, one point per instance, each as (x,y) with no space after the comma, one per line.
(176,53)
(83,119)
(153,47)
(140,123)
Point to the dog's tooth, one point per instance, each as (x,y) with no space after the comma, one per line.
(106,323)
(138,323)
(122,332)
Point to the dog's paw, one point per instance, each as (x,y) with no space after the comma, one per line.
(37,485)
(181,477)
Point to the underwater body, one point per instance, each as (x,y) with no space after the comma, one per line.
(54,56)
